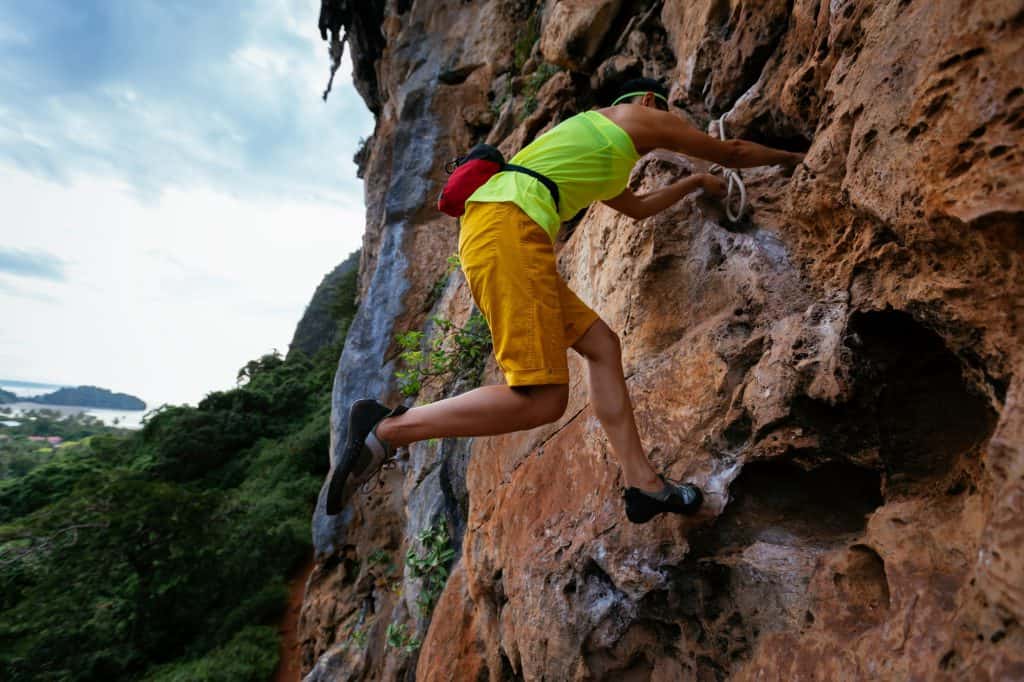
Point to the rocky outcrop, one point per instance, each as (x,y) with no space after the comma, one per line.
(841,370)
(318,327)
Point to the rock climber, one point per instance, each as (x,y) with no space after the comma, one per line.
(506,248)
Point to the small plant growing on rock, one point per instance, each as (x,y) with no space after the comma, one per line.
(357,637)
(431,564)
(399,637)
(434,295)
(455,352)
(533,84)
(525,41)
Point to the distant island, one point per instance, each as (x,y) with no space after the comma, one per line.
(80,396)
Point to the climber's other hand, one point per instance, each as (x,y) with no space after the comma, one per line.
(714,186)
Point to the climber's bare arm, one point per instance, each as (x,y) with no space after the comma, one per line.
(654,129)
(639,206)
(673,133)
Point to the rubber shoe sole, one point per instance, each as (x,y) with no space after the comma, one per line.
(685,500)
(356,458)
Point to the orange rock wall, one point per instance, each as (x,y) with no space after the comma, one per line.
(841,371)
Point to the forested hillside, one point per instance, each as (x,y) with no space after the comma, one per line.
(163,554)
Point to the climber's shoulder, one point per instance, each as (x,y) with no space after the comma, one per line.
(648,127)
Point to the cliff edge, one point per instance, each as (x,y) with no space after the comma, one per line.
(841,370)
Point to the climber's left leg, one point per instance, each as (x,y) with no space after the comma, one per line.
(609,397)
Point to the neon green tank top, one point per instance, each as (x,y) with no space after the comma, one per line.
(587,156)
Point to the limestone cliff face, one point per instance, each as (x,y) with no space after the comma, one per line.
(841,371)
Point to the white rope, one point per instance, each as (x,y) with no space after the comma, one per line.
(731,175)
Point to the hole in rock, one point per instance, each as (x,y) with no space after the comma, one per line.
(349,561)
(737,433)
(861,583)
(634,654)
(777,502)
(765,131)
(911,403)
(507,671)
(950,660)
(913,387)
(500,598)
(456,76)
(913,133)
(936,105)
(962,57)
(748,572)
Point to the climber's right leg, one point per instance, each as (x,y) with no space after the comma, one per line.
(484,411)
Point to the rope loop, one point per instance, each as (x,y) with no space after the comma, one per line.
(732,176)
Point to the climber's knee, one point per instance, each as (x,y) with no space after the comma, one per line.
(600,344)
(546,403)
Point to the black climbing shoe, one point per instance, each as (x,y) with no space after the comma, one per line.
(675,498)
(360,460)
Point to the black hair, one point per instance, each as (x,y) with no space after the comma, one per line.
(641,85)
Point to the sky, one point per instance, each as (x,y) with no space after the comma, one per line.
(172,185)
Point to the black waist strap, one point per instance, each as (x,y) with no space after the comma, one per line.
(544,180)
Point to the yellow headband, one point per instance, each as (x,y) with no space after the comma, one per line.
(639,93)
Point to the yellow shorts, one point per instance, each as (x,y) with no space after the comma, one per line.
(509,262)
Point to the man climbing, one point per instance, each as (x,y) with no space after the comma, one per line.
(507,254)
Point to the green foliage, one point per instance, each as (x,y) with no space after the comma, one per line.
(357,637)
(410,380)
(399,637)
(343,306)
(454,353)
(497,105)
(430,564)
(163,554)
(434,295)
(527,38)
(533,85)
(90,396)
(45,422)
(51,481)
(251,655)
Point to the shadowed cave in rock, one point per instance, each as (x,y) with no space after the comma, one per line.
(748,572)
(912,404)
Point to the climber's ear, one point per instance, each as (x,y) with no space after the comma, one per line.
(648,99)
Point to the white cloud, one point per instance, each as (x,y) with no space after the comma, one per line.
(178,163)
(165,300)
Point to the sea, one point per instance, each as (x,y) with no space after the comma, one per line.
(125,419)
